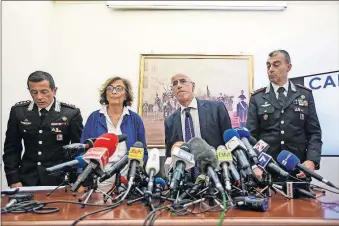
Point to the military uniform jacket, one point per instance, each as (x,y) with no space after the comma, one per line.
(43,141)
(294,127)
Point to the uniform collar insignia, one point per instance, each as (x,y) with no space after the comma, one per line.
(57,107)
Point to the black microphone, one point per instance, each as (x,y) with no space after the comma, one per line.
(17,198)
(292,162)
(205,157)
(251,202)
(114,168)
(71,151)
(122,137)
(296,190)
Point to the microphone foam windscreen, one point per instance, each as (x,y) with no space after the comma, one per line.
(82,163)
(109,141)
(204,154)
(243,132)
(288,160)
(162,182)
(229,134)
(138,144)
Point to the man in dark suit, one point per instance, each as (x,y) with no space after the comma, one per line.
(195,118)
(45,125)
(284,115)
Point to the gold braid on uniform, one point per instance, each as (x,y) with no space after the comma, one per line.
(258,91)
(303,87)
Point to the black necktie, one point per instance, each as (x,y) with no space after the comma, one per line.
(43,113)
(281,96)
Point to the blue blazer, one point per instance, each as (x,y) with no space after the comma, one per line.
(213,118)
(132,125)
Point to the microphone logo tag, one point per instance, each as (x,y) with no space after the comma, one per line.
(264,159)
(233,143)
(260,145)
(224,155)
(185,155)
(136,153)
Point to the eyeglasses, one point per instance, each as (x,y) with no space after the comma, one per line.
(182,81)
(119,89)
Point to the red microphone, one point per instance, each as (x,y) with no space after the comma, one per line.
(97,157)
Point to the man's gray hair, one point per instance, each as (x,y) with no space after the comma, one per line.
(286,54)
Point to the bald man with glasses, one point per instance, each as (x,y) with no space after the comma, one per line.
(206,119)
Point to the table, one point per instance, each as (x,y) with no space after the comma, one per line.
(281,212)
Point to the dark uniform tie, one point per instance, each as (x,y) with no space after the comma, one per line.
(189,128)
(189,133)
(281,96)
(43,113)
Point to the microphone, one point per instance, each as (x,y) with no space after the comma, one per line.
(235,145)
(183,160)
(292,162)
(135,159)
(160,184)
(266,162)
(245,135)
(234,173)
(295,190)
(71,151)
(251,202)
(152,168)
(97,157)
(17,198)
(66,166)
(201,181)
(205,157)
(114,168)
(224,159)
(122,137)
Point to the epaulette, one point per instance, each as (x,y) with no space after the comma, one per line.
(68,105)
(303,87)
(23,103)
(258,91)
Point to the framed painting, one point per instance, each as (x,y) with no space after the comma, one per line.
(228,78)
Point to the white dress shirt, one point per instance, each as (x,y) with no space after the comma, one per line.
(122,147)
(195,118)
(275,88)
(47,108)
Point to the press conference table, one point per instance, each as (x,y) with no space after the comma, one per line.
(281,212)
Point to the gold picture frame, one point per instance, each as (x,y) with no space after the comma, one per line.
(228,76)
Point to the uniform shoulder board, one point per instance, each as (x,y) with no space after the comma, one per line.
(68,105)
(258,90)
(303,87)
(23,103)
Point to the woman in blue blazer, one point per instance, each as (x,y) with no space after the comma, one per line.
(116,97)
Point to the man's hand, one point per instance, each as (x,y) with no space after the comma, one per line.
(309,164)
(16,185)
(258,173)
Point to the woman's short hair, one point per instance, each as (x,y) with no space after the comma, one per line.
(128,87)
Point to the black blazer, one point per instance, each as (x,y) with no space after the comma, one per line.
(214,120)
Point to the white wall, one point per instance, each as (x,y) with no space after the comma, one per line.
(26,42)
(87,42)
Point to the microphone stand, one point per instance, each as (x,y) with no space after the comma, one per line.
(117,184)
(65,182)
(90,189)
(270,186)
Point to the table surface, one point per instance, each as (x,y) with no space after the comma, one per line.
(281,212)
